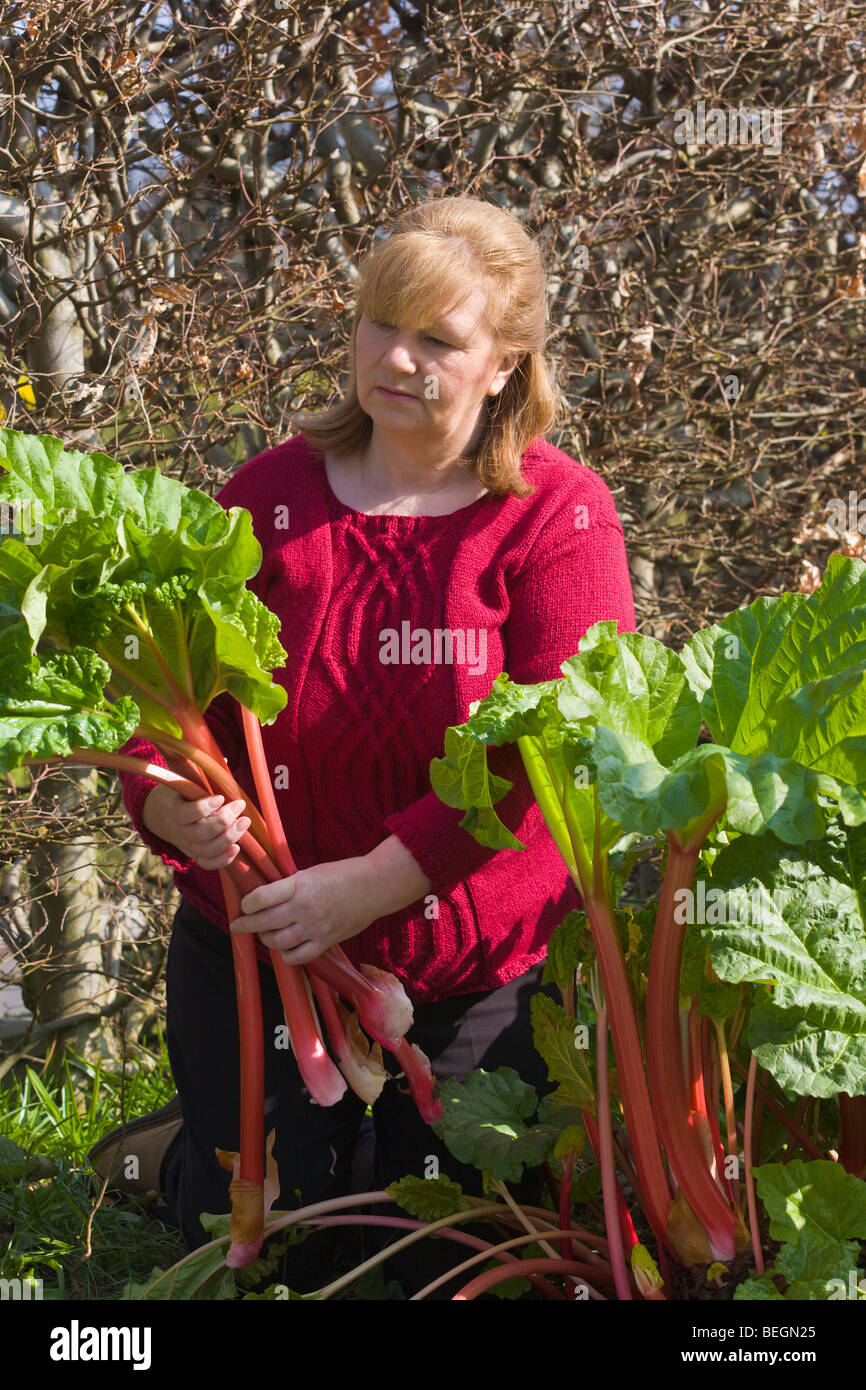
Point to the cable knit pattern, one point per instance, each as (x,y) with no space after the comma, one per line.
(522,579)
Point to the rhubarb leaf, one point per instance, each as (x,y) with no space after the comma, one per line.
(484,1123)
(715,998)
(238,651)
(372,1287)
(633,684)
(763,1289)
(56,703)
(586,1186)
(566,949)
(755,795)
(812,1197)
(558,1116)
(145,568)
(819,1212)
(510,1288)
(808,944)
(571,1140)
(461,778)
(808,1262)
(565,1045)
(139,612)
(788,675)
(555,755)
(42,470)
(202,1276)
(427,1199)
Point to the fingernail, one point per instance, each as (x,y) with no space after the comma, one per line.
(214,802)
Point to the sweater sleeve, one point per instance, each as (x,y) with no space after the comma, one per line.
(580,578)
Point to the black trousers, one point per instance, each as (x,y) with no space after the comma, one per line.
(315,1147)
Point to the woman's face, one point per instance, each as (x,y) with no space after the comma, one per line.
(443,377)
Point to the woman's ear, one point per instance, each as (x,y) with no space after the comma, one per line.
(509,362)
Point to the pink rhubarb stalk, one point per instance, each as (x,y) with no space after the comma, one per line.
(320,1076)
(751,1199)
(637,1105)
(360,1063)
(674,1118)
(247,1188)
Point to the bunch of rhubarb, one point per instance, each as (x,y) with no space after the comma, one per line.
(124,613)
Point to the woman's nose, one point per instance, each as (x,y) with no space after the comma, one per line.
(399,356)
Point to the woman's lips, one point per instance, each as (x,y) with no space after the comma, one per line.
(396,395)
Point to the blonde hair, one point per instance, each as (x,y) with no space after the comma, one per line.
(417,273)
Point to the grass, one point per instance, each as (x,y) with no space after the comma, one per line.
(52,1225)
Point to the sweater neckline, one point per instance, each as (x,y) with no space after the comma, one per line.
(392,519)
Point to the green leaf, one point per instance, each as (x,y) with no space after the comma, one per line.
(586,1186)
(462,779)
(40,469)
(57,703)
(813,1207)
(737,668)
(555,1036)
(634,685)
(483,1123)
(137,556)
(372,1287)
(788,675)
(561,1121)
(565,951)
(240,649)
(765,793)
(573,1137)
(812,1260)
(818,1199)
(809,944)
(427,1199)
(202,1277)
(716,998)
(762,1289)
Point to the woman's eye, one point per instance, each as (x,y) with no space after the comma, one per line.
(388,327)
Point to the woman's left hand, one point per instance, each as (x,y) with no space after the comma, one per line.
(315,909)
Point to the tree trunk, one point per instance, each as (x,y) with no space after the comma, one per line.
(67,977)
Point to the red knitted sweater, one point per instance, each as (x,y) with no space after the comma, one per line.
(523,579)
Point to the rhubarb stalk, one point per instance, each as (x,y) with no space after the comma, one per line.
(676,1123)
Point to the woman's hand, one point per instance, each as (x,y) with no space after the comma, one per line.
(207,831)
(315,909)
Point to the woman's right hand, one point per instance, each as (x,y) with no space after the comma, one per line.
(207,831)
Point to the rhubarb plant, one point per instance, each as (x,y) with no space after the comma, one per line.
(742,757)
(125,612)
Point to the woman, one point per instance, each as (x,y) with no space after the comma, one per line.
(418,538)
